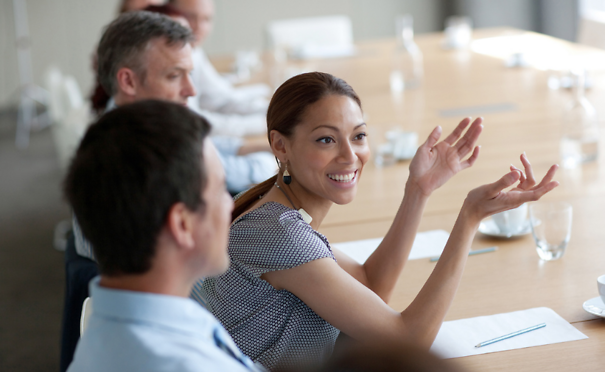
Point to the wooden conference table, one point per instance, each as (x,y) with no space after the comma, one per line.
(525,116)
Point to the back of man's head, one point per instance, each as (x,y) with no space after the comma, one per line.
(132,166)
(126,39)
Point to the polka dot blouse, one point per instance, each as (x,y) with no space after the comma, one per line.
(273,327)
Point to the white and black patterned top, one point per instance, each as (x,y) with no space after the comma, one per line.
(273,327)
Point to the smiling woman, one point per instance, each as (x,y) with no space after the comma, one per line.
(287,294)
(334,102)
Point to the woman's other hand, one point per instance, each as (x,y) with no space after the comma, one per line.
(491,198)
(435,163)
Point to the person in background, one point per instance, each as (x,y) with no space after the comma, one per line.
(144,55)
(149,189)
(288,294)
(130,5)
(246,164)
(99,97)
(232,111)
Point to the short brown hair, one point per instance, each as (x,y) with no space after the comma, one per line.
(131,167)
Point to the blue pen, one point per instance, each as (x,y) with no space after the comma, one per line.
(471,253)
(485,343)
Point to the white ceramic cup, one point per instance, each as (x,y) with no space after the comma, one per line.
(404,144)
(601,286)
(511,221)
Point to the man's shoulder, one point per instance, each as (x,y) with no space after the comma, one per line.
(138,347)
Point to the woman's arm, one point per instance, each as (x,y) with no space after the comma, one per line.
(433,164)
(353,308)
(480,203)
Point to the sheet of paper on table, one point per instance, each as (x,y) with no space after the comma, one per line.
(426,244)
(458,338)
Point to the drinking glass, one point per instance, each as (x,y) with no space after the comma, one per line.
(551,228)
(458,32)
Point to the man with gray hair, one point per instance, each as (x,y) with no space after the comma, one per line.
(144,55)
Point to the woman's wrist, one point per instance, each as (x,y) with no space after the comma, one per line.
(469,215)
(413,189)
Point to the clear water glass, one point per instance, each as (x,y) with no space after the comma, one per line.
(551,228)
(407,70)
(580,140)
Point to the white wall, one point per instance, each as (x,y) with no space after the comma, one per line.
(240,23)
(65,32)
(521,14)
(559,18)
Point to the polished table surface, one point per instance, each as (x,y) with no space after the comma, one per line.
(512,278)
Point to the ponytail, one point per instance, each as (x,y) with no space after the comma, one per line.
(244,202)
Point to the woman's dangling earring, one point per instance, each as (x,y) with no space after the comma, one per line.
(287,176)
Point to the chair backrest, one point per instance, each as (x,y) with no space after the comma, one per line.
(591,29)
(54,85)
(69,112)
(315,37)
(64,94)
(86,313)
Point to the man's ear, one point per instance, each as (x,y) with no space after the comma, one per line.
(181,225)
(279,145)
(127,81)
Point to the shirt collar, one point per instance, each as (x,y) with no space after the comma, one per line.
(111,104)
(175,312)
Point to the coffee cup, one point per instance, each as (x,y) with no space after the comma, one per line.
(404,144)
(601,286)
(512,221)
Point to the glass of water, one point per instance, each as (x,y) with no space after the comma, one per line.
(551,228)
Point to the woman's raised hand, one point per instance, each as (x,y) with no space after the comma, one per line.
(435,163)
(491,198)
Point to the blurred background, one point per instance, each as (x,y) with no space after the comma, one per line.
(63,34)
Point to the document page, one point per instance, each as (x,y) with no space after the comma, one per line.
(427,244)
(458,338)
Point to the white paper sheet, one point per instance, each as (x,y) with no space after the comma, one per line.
(458,338)
(426,244)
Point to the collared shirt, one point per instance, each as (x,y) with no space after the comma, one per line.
(232,111)
(137,331)
(217,94)
(84,249)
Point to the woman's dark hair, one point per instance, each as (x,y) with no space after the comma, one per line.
(285,112)
(131,167)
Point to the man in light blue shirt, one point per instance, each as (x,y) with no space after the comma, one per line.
(149,191)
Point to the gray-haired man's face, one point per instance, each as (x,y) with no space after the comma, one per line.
(168,69)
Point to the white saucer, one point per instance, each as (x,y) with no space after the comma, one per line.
(489,227)
(595,306)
